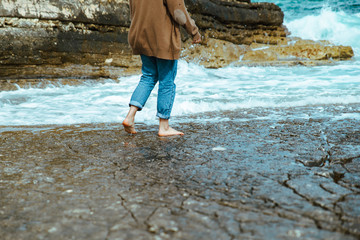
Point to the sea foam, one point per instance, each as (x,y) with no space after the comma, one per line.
(338,27)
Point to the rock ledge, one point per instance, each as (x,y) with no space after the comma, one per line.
(71,39)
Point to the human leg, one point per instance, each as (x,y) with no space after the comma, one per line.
(142,92)
(167,70)
(129,121)
(165,130)
(147,82)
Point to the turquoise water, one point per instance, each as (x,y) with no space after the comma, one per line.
(338,21)
(210,92)
(295,9)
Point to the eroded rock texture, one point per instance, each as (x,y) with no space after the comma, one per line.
(56,33)
(247,177)
(239,22)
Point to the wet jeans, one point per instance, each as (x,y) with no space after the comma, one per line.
(154,70)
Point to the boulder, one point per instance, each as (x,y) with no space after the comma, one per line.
(213,53)
(240,22)
(102,12)
(305,52)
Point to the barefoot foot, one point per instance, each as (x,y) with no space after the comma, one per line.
(129,127)
(169,132)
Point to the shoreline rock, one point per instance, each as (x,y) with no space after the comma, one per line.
(214,53)
(276,178)
(73,40)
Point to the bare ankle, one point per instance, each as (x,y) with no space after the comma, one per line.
(169,131)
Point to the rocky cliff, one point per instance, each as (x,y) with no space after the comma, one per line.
(58,38)
(72,39)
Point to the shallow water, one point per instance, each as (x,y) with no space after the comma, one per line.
(209,92)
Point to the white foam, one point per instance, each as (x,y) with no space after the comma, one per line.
(344,116)
(199,90)
(338,27)
(219,148)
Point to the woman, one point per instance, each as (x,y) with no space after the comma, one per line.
(155,35)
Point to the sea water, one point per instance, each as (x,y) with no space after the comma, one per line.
(209,93)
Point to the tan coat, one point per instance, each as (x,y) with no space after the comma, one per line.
(154,29)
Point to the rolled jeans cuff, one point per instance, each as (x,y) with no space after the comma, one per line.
(162,116)
(136,104)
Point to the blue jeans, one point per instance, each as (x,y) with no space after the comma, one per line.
(154,70)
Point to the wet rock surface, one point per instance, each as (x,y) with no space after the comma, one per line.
(215,53)
(243,177)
